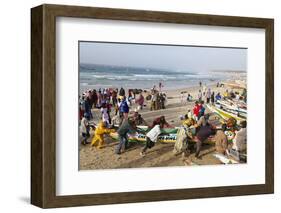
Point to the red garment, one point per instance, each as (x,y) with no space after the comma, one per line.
(197,109)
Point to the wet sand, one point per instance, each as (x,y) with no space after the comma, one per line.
(161,154)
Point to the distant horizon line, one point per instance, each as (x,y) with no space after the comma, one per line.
(167,69)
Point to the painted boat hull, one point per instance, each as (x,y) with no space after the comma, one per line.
(169,138)
(224,114)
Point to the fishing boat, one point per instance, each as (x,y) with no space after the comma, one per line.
(225,113)
(235,85)
(169,135)
(232,109)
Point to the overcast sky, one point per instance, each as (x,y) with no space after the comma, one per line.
(180,58)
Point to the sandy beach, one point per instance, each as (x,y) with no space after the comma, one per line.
(161,154)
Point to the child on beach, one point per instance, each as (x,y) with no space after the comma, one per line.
(101,130)
(189,98)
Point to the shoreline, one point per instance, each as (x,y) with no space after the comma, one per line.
(170,89)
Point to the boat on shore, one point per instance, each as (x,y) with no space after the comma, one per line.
(169,135)
(225,114)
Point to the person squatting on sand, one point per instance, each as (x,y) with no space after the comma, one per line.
(189,98)
(139,119)
(101,130)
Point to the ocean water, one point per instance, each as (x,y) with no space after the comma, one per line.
(92,76)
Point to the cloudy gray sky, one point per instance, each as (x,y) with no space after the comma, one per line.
(180,58)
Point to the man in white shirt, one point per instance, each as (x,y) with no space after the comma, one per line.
(151,138)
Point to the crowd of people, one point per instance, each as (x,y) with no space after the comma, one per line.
(198,121)
(157,98)
(107,100)
(196,125)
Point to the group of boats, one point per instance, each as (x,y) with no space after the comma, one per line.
(229,108)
